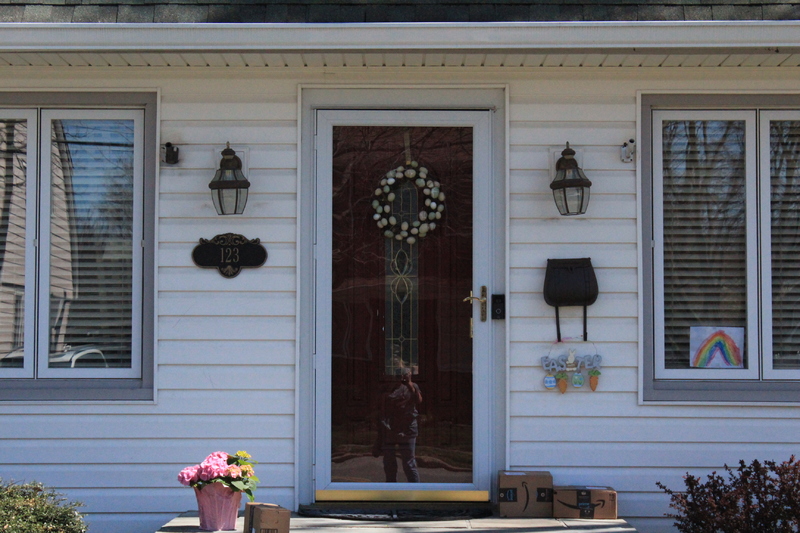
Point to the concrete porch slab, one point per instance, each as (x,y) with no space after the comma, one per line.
(189,523)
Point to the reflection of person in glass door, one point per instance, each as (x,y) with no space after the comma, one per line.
(400,428)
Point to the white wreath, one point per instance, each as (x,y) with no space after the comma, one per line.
(426,219)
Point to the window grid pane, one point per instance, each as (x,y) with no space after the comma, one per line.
(13,168)
(705,235)
(785,242)
(91,253)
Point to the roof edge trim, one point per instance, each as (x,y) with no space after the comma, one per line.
(635,37)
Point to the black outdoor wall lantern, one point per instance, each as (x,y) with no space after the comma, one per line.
(229,186)
(570,186)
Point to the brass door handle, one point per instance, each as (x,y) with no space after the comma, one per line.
(471,298)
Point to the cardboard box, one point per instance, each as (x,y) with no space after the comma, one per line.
(525,494)
(266,518)
(584,502)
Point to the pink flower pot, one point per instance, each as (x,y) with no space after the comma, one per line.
(218,506)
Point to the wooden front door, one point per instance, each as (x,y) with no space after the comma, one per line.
(396,328)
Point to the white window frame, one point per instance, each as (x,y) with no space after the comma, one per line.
(43,282)
(31,196)
(769,372)
(751,350)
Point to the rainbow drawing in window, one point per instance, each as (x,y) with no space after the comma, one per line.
(716,347)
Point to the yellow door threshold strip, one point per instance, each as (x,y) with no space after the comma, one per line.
(402,495)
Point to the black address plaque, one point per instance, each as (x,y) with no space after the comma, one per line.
(229,252)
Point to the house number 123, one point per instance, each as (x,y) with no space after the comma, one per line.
(229,255)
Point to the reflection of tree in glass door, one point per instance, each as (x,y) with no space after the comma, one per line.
(399,279)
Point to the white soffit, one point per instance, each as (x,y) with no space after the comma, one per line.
(515,45)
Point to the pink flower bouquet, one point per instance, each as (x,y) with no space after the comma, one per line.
(233,471)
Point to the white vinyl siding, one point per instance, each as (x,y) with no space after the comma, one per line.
(581,437)
(606,437)
(226,349)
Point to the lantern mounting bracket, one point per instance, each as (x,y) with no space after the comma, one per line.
(555,155)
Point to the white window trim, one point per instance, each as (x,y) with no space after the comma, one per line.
(752,351)
(769,372)
(135,370)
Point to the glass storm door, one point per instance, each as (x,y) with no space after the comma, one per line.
(402,220)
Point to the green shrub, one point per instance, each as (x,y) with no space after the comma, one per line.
(756,498)
(32,508)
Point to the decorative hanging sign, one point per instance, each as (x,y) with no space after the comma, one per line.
(393,224)
(558,367)
(229,253)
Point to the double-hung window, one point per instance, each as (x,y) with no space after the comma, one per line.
(722,257)
(75,280)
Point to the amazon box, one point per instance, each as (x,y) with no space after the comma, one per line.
(266,518)
(525,494)
(584,502)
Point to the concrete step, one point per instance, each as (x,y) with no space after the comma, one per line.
(190,523)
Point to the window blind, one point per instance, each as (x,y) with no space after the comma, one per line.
(91,243)
(785,242)
(705,234)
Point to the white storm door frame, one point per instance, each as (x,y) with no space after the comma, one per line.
(481,123)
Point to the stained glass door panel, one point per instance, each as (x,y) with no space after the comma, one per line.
(402,254)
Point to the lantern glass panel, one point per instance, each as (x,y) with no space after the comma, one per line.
(216,197)
(558,196)
(229,191)
(575,200)
(241,200)
(571,191)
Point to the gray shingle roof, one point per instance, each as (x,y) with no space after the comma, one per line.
(322,11)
